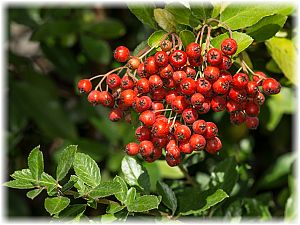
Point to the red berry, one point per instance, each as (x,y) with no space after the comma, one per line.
(106,99)
(204,108)
(169,83)
(142,133)
(211,73)
(174,151)
(127,97)
(240,80)
(226,63)
(84,86)
(147,117)
(160,129)
(237,117)
(113,81)
(143,86)
(146,148)
(134,63)
(271,86)
(157,152)
(141,70)
(197,100)
(190,72)
(252,122)
(178,76)
(211,130)
(221,86)
(166,72)
(188,86)
(127,82)
(252,88)
(178,58)
(259,76)
(172,161)
(232,106)
(214,57)
(189,115)
(182,133)
(218,103)
(260,98)
(252,109)
(193,50)
(157,106)
(179,104)
(185,147)
(237,95)
(161,58)
(121,54)
(229,46)
(115,115)
(197,142)
(199,126)
(226,75)
(166,45)
(160,142)
(142,104)
(155,82)
(213,145)
(203,86)
(150,65)
(171,95)
(132,149)
(196,62)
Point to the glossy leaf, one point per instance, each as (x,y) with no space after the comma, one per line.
(165,20)
(105,188)
(155,38)
(144,203)
(122,195)
(87,169)
(168,196)
(56,204)
(201,10)
(65,161)
(36,163)
(33,193)
(145,13)
(72,211)
(131,194)
(187,37)
(19,184)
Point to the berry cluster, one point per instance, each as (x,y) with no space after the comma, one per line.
(172,88)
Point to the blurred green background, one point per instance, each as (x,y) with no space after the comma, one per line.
(50,49)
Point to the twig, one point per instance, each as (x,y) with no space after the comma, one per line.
(222,23)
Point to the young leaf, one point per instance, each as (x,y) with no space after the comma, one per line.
(186,37)
(165,20)
(182,14)
(284,54)
(19,184)
(155,38)
(105,188)
(192,200)
(65,161)
(168,196)
(201,10)
(267,27)
(134,173)
(238,16)
(87,169)
(56,204)
(122,195)
(36,163)
(243,40)
(145,13)
(225,175)
(33,193)
(130,196)
(144,203)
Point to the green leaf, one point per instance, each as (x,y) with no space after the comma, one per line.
(182,14)
(202,10)
(286,99)
(145,13)
(19,184)
(54,29)
(140,47)
(36,163)
(105,188)
(186,37)
(96,49)
(155,38)
(33,193)
(24,174)
(165,20)
(192,200)
(238,16)
(48,181)
(106,29)
(273,67)
(65,161)
(114,208)
(243,40)
(277,173)
(134,173)
(284,54)
(80,186)
(122,195)
(72,211)
(290,212)
(144,203)
(168,196)
(169,172)
(87,169)
(266,28)
(130,196)
(56,204)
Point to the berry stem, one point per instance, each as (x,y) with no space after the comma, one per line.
(173,40)
(251,71)
(106,74)
(222,23)
(201,35)
(162,110)
(146,53)
(178,41)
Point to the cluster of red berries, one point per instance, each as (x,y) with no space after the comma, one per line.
(172,89)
